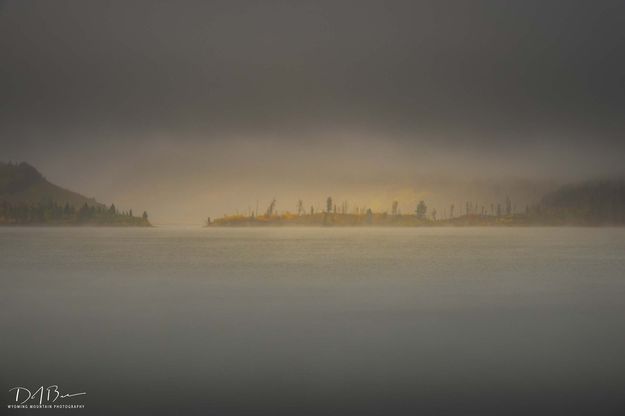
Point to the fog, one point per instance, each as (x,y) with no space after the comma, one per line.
(198,109)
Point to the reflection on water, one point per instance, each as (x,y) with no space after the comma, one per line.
(291,321)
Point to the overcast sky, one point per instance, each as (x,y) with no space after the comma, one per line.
(195,108)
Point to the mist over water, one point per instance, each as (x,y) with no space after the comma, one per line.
(431,321)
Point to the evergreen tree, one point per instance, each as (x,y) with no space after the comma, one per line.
(84,213)
(421,210)
(394,210)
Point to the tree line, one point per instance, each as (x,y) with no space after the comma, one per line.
(588,203)
(48,212)
(421,210)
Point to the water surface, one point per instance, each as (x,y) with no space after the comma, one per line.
(316,321)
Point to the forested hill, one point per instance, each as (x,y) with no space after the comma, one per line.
(23,184)
(592,202)
(27,197)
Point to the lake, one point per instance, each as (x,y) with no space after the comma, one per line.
(317,321)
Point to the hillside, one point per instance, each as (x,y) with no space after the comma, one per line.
(23,184)
(28,198)
(593,203)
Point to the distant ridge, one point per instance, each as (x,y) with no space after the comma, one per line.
(24,184)
(593,202)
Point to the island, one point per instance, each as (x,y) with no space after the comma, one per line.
(590,203)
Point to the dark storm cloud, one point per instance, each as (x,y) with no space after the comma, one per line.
(525,86)
(436,65)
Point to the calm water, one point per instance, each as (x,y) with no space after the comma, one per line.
(317,321)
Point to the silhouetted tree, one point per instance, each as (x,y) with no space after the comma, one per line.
(394,208)
(271,208)
(451,211)
(84,212)
(434,214)
(329,204)
(145,216)
(421,210)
